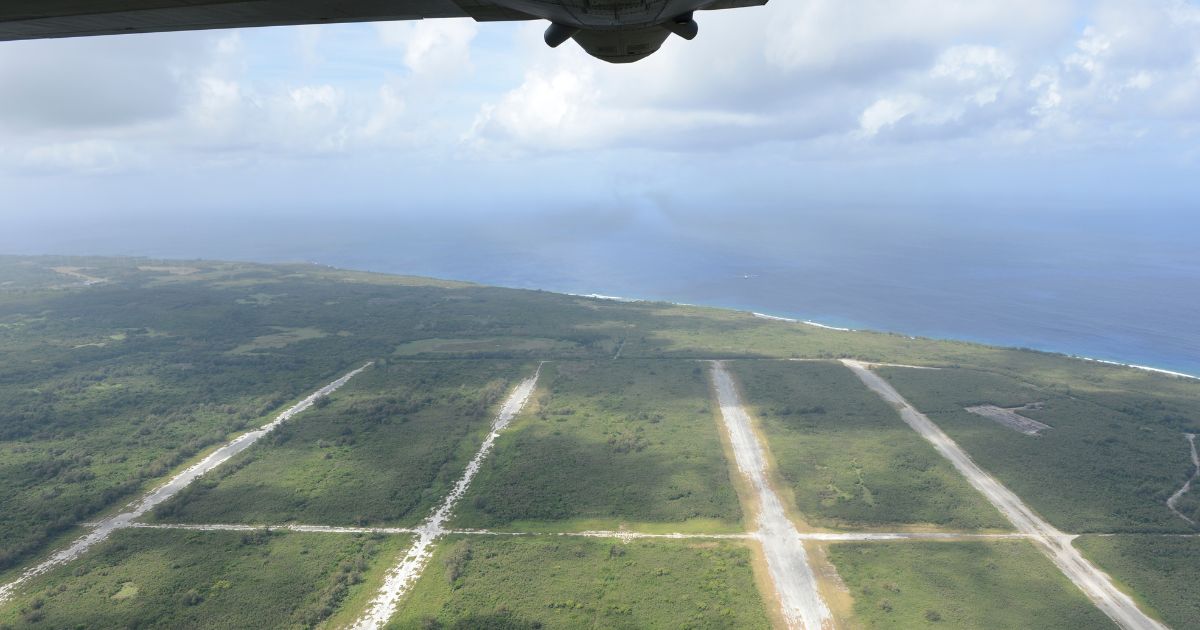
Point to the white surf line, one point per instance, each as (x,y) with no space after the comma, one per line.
(104,528)
(1191,438)
(401,577)
(1144,368)
(787,561)
(606,298)
(1094,583)
(789,320)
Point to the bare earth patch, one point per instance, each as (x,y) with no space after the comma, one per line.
(78,274)
(174,271)
(1010,418)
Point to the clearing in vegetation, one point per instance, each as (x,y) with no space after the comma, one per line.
(486,347)
(558,582)
(400,578)
(1100,470)
(1011,419)
(1161,571)
(107,389)
(608,444)
(985,585)
(179,579)
(382,451)
(283,336)
(1184,502)
(792,574)
(1053,543)
(847,458)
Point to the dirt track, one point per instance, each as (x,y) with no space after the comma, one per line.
(787,561)
(1056,545)
(103,529)
(401,577)
(1191,438)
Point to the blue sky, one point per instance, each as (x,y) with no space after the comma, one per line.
(1015,106)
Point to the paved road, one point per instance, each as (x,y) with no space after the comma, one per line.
(401,577)
(106,527)
(1056,545)
(787,561)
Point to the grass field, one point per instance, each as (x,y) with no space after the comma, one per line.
(1098,469)
(176,579)
(847,457)
(526,583)
(986,585)
(1160,571)
(613,442)
(383,451)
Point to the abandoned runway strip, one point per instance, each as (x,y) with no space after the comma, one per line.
(1056,545)
(403,575)
(788,564)
(787,561)
(103,529)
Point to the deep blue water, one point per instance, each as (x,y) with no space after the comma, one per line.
(1117,286)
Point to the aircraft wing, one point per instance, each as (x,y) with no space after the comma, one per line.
(39,19)
(617,31)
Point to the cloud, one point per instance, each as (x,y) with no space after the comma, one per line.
(91,157)
(94,82)
(822,74)
(871,38)
(431,46)
(806,79)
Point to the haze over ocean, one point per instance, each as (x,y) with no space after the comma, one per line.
(1114,286)
(1021,173)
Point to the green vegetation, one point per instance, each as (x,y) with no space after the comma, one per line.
(118,372)
(175,579)
(612,441)
(1160,571)
(282,336)
(526,583)
(1099,469)
(848,458)
(499,346)
(991,585)
(382,451)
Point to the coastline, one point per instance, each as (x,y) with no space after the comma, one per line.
(791,320)
(1144,368)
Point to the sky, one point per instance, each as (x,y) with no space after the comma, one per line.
(1027,104)
(1021,171)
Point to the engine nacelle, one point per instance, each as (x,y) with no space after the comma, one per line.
(620,31)
(622,46)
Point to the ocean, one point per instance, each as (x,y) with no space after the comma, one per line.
(1119,286)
